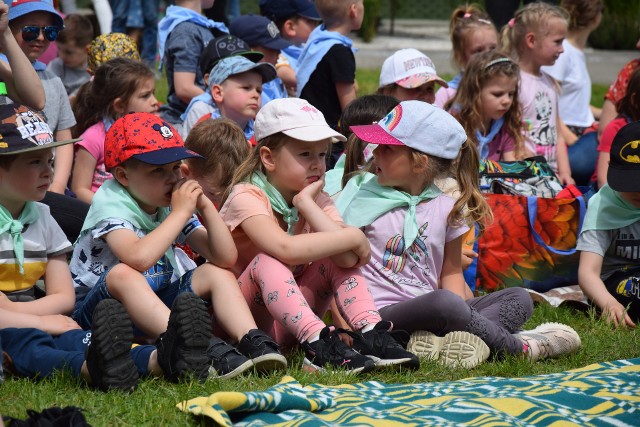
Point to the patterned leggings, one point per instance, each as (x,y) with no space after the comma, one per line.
(287,307)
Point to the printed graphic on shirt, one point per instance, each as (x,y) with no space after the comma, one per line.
(627,246)
(544,134)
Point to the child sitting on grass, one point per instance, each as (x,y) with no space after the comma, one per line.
(609,272)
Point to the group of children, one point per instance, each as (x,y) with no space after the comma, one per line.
(221,253)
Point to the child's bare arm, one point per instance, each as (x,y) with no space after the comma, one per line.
(592,285)
(142,253)
(302,248)
(83,170)
(562,156)
(214,242)
(185,86)
(320,221)
(62,163)
(55,324)
(346,93)
(451,277)
(23,84)
(60,296)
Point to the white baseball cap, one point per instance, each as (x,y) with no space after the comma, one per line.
(418,125)
(409,68)
(294,117)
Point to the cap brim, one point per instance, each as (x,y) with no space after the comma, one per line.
(376,134)
(166,155)
(16,12)
(42,147)
(267,71)
(625,180)
(419,79)
(277,44)
(314,133)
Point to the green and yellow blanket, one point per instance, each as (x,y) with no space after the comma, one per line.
(597,395)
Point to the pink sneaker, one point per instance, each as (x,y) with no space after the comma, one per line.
(550,340)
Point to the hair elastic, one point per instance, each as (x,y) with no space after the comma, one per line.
(512,22)
(497,61)
(485,21)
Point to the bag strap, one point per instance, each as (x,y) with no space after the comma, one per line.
(532,205)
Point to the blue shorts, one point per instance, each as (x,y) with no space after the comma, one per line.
(83,310)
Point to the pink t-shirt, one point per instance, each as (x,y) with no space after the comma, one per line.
(93,142)
(501,143)
(539,103)
(443,95)
(395,275)
(246,201)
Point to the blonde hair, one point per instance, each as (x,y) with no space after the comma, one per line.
(224,146)
(467,103)
(333,12)
(535,18)
(464,21)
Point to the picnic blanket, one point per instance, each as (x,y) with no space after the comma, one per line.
(599,394)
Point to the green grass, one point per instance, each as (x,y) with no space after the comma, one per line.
(153,403)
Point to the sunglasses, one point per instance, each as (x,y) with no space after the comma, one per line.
(31,32)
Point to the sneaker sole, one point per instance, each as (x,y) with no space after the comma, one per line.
(191,321)
(456,348)
(213,374)
(308,366)
(269,362)
(111,336)
(404,363)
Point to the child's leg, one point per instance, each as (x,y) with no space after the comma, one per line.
(34,352)
(272,293)
(131,288)
(323,280)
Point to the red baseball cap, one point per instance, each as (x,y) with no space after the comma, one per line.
(145,137)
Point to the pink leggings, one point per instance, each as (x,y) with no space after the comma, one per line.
(283,306)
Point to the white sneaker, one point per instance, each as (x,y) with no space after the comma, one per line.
(550,340)
(455,348)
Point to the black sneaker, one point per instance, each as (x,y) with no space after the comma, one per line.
(382,347)
(108,357)
(182,349)
(263,351)
(330,352)
(226,361)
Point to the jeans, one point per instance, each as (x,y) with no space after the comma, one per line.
(583,156)
(138,14)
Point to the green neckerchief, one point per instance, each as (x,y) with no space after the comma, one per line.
(608,211)
(351,188)
(289,214)
(112,200)
(29,215)
(373,200)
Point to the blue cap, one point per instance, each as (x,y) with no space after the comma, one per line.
(283,9)
(18,8)
(257,30)
(239,64)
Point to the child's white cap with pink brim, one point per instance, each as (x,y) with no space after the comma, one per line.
(418,125)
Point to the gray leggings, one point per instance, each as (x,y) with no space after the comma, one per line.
(493,317)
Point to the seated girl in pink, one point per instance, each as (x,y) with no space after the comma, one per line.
(296,254)
(119,86)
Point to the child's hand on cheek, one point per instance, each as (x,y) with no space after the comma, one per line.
(184,197)
(309,193)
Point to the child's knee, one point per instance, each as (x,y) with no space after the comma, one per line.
(121,276)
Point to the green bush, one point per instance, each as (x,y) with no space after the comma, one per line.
(370,21)
(620,26)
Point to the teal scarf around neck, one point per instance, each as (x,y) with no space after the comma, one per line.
(608,211)
(112,200)
(29,215)
(372,200)
(278,203)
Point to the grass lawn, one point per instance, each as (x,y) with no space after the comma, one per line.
(154,401)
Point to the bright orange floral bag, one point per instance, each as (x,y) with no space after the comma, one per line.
(531,243)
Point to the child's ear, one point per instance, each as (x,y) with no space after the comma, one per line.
(119,106)
(120,174)
(420,167)
(216,93)
(186,172)
(530,40)
(289,29)
(266,157)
